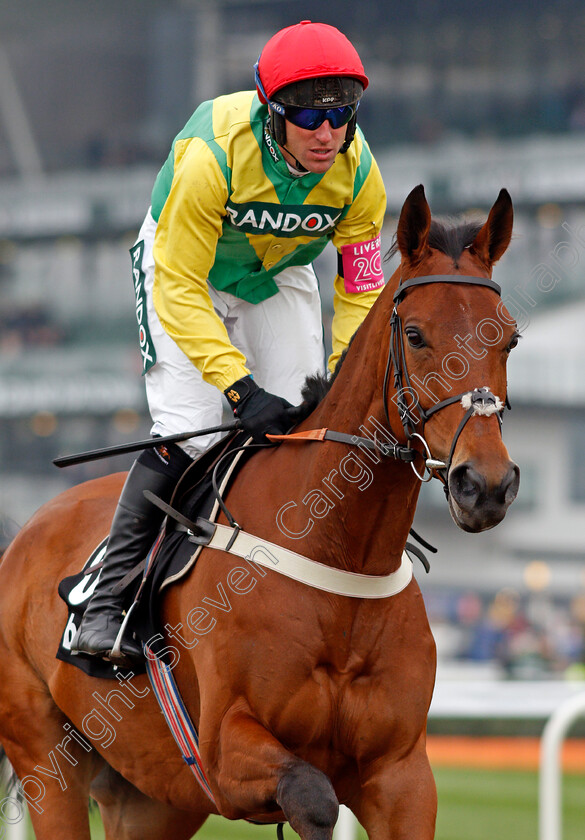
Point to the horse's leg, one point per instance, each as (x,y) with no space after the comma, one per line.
(257,775)
(128,814)
(54,772)
(398,800)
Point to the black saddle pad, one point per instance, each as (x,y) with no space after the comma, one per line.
(193,497)
(76,591)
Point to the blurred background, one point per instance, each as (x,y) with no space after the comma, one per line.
(464,98)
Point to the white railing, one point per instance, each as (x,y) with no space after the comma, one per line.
(14,819)
(549,787)
(18,830)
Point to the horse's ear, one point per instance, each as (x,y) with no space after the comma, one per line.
(494,237)
(413,225)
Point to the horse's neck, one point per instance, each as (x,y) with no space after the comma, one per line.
(374,497)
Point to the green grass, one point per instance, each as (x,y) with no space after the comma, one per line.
(473,805)
(504,805)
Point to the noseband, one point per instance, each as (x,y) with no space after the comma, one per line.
(479,401)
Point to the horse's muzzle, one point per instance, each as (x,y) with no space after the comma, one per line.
(477,504)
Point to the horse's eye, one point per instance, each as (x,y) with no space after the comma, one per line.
(513,342)
(414,337)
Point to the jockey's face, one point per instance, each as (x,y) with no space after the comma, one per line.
(317,149)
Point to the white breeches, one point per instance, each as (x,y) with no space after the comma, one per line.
(281,338)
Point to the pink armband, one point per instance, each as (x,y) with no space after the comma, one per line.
(362,265)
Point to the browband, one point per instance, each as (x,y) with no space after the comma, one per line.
(445,278)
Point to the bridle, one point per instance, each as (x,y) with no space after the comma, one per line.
(478,401)
(412,414)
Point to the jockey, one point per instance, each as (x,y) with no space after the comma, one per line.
(255,186)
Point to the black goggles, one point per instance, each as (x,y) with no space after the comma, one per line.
(312,118)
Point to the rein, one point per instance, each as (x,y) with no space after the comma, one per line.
(385,448)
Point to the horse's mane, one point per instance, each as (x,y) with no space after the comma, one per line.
(317,386)
(451,238)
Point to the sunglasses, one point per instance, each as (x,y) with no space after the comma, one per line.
(312,118)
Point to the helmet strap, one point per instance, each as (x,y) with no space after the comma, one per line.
(349,134)
(277,129)
(277,126)
(298,165)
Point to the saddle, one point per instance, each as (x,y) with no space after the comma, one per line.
(171,557)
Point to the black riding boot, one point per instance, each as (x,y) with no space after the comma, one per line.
(135,526)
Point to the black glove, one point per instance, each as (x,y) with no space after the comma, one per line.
(260,412)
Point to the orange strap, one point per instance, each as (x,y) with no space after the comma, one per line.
(299,437)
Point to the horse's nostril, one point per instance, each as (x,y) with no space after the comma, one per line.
(510,484)
(466,485)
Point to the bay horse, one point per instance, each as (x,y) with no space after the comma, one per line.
(303,699)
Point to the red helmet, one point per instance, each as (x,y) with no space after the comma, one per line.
(310,65)
(306,51)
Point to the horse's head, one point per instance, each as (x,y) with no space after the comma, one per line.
(450,344)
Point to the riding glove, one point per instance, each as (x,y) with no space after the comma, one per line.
(261,413)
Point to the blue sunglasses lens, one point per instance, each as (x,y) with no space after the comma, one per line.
(312,118)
